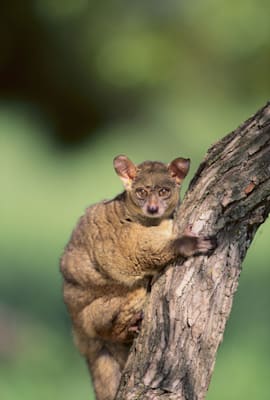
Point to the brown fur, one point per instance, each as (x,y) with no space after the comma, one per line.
(115,249)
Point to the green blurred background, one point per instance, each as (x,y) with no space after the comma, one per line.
(80,82)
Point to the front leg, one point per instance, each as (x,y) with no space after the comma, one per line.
(144,250)
(191,245)
(157,246)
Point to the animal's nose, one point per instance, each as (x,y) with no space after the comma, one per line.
(152,209)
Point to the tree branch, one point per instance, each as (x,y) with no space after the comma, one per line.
(229,197)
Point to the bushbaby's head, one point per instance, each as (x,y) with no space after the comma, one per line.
(152,187)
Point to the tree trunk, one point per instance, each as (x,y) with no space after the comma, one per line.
(229,197)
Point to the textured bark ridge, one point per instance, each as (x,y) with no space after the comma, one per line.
(229,198)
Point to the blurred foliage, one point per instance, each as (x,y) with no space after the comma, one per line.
(82,81)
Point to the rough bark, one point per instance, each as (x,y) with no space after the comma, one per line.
(229,197)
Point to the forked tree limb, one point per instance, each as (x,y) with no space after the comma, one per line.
(229,198)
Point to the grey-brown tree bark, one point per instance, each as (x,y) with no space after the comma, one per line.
(229,198)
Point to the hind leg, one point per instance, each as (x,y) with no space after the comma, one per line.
(113,319)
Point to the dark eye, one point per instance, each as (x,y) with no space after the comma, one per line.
(141,193)
(164,192)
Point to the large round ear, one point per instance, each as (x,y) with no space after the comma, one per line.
(179,169)
(125,169)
